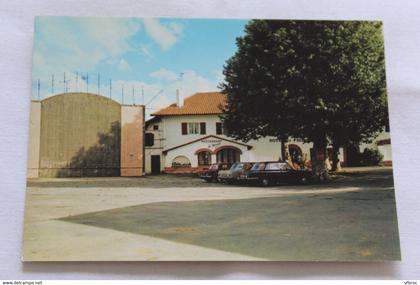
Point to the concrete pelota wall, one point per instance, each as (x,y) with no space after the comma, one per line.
(132,140)
(79,136)
(82,134)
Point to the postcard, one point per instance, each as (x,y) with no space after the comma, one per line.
(166,139)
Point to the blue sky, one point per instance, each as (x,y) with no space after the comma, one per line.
(136,54)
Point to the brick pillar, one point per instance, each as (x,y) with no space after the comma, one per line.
(132,147)
(34,140)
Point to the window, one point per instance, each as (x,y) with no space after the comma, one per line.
(236,166)
(204,158)
(193,128)
(184,128)
(149,139)
(228,155)
(258,166)
(202,128)
(155,127)
(218,128)
(181,161)
(276,166)
(214,166)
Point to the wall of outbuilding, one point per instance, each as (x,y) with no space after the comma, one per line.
(80,134)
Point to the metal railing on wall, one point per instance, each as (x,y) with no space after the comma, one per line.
(82,82)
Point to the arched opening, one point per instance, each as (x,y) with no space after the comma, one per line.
(181,161)
(228,154)
(204,158)
(295,153)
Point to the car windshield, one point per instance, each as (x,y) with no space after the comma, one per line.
(258,166)
(237,166)
(233,166)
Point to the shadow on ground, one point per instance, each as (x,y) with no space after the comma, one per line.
(348,226)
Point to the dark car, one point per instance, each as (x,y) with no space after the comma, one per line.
(210,175)
(274,172)
(234,174)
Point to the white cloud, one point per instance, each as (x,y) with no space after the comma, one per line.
(67,43)
(165,35)
(111,34)
(164,74)
(193,82)
(123,65)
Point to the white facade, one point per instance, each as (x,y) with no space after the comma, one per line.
(172,145)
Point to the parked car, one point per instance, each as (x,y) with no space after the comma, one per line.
(238,169)
(274,172)
(210,175)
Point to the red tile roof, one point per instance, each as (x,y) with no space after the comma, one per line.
(203,103)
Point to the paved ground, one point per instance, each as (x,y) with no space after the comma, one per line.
(182,218)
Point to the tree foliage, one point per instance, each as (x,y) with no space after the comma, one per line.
(320,81)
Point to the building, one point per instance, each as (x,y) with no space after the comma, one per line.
(84,134)
(188,136)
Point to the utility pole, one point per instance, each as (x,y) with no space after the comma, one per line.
(77,81)
(65,86)
(110,89)
(39,87)
(133,96)
(52,84)
(99,83)
(122,93)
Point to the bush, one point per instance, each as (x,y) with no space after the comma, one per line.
(370,157)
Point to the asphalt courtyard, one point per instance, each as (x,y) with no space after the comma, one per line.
(170,217)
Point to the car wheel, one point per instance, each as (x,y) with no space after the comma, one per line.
(322,178)
(265,182)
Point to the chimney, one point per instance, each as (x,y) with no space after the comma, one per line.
(179,99)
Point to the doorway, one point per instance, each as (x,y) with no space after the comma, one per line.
(228,155)
(155,160)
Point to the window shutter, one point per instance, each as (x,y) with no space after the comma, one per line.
(184,128)
(202,128)
(218,128)
(150,139)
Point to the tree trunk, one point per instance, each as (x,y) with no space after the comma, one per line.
(320,148)
(283,150)
(319,168)
(335,151)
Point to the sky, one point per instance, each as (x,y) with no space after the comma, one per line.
(143,60)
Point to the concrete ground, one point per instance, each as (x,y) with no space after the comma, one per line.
(169,217)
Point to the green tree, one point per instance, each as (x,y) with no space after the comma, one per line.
(320,81)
